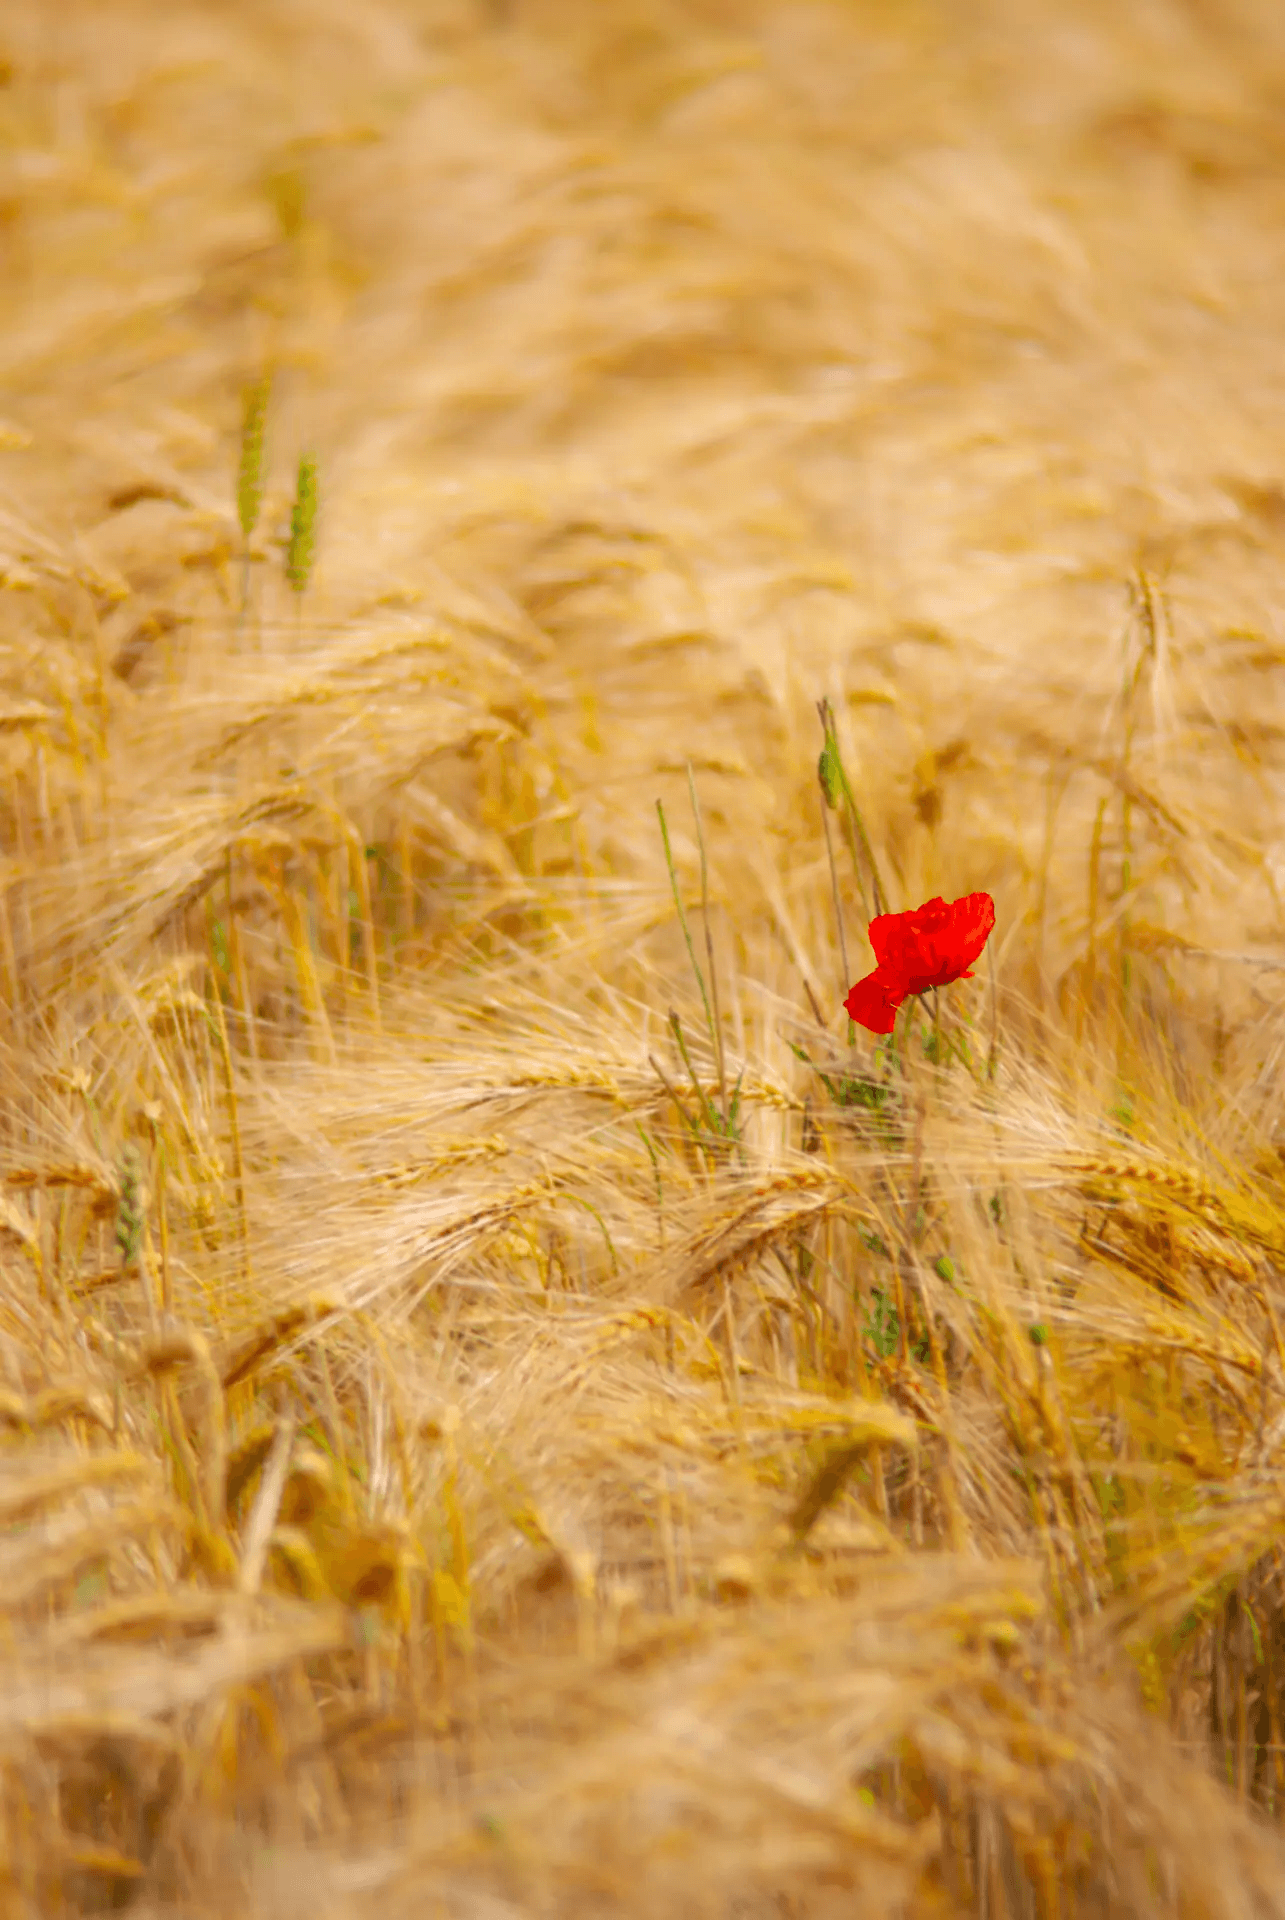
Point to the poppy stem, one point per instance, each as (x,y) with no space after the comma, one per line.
(838,907)
(859,831)
(894,1049)
(830,779)
(839,778)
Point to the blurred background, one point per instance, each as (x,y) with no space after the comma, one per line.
(507,1405)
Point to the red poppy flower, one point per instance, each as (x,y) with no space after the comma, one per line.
(927,947)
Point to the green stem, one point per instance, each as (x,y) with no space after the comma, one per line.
(682,919)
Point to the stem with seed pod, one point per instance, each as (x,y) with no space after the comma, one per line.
(835,786)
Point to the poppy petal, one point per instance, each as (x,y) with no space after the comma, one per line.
(934,944)
(874,1002)
(897,938)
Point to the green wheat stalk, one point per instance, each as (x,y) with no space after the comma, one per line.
(303,525)
(249,478)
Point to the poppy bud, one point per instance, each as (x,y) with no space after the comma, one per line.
(828,773)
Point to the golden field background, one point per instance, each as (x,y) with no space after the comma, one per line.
(454,1460)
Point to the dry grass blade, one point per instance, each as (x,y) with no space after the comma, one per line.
(32,1486)
(149,1683)
(872,1425)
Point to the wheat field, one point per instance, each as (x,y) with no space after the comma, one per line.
(509,1405)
